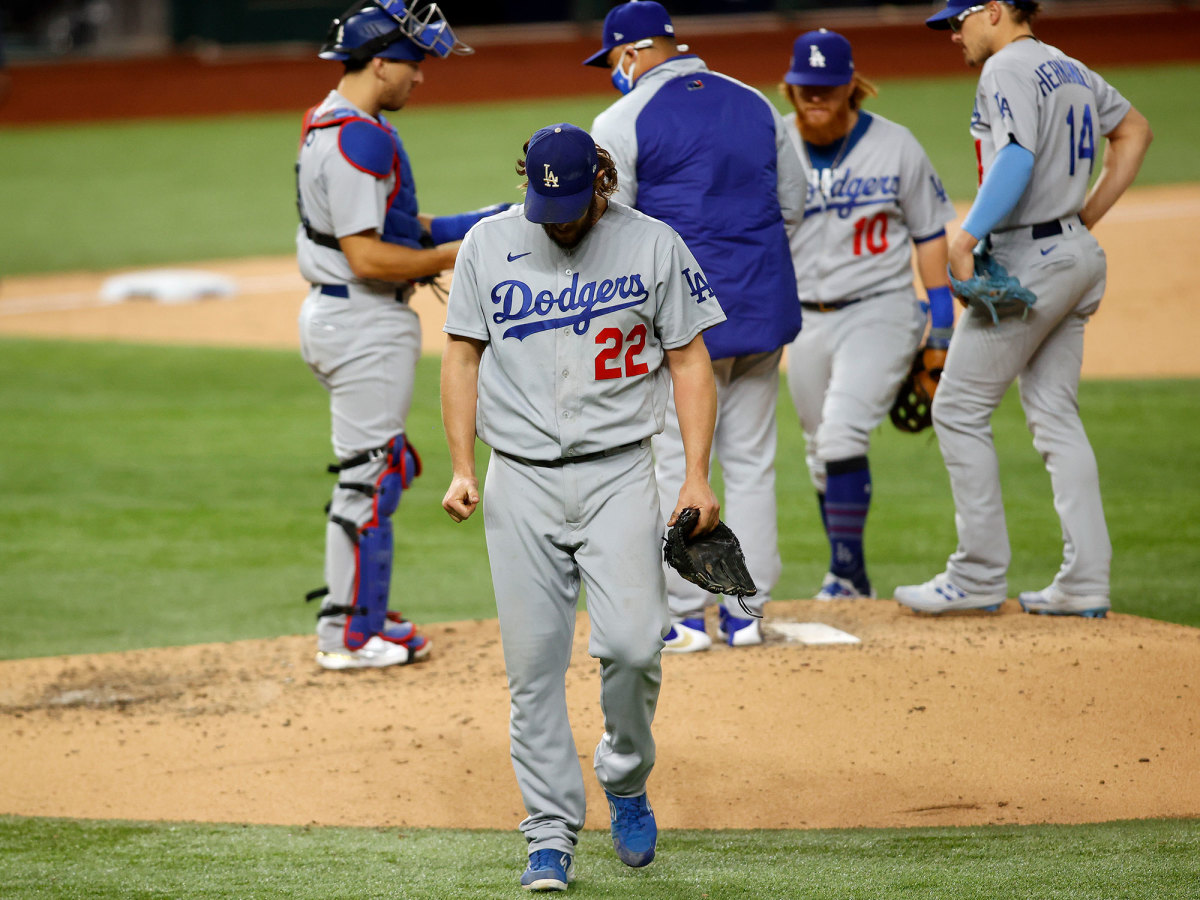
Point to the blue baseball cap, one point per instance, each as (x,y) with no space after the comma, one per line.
(561,167)
(631,22)
(821,58)
(940,20)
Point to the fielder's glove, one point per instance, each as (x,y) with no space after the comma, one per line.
(991,290)
(912,410)
(713,560)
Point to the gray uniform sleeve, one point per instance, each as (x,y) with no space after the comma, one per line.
(923,199)
(464,309)
(680,315)
(615,131)
(1111,106)
(791,181)
(357,199)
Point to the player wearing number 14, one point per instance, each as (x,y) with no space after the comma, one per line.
(872,196)
(1037,123)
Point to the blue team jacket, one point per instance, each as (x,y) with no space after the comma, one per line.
(701,151)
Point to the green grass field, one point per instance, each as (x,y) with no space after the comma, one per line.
(1148,860)
(159,496)
(140,193)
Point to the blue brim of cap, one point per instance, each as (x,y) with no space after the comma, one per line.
(939,20)
(816,80)
(556,210)
(599,59)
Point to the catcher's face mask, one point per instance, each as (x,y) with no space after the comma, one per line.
(389,29)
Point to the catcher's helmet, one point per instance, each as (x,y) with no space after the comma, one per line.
(389,29)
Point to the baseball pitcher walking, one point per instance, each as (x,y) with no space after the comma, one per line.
(568,318)
(1039,123)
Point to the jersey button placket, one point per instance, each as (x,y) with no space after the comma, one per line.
(567,389)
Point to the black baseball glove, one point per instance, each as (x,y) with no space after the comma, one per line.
(912,410)
(713,560)
(991,291)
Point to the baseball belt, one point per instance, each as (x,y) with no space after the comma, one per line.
(343,291)
(583,457)
(829,307)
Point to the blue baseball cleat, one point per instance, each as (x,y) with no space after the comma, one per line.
(548,870)
(634,831)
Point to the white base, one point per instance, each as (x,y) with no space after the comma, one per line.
(812,633)
(167,286)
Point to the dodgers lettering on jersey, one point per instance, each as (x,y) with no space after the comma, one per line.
(864,206)
(1053,106)
(580,304)
(843,191)
(576,339)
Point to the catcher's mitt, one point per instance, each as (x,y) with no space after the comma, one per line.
(713,560)
(992,291)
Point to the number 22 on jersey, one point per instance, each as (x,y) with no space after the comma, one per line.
(619,353)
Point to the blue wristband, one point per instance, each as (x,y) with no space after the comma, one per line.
(941,307)
(1003,186)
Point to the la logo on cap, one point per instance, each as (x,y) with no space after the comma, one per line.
(549,179)
(816,58)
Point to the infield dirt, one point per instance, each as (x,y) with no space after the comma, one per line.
(961,720)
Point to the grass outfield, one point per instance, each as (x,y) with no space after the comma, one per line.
(1146,860)
(157,496)
(146,193)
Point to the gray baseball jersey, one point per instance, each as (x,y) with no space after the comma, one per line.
(584,372)
(1055,107)
(1058,109)
(337,198)
(360,343)
(574,365)
(861,214)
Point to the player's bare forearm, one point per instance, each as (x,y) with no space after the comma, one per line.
(961,255)
(373,258)
(696,405)
(1123,155)
(932,256)
(459,395)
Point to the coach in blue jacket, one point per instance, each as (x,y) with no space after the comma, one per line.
(710,157)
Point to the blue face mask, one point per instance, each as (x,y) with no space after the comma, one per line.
(622,80)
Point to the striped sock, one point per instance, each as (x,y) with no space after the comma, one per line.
(847,500)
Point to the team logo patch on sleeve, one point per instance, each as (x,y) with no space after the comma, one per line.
(695,85)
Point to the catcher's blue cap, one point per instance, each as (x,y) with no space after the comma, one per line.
(821,58)
(631,22)
(561,166)
(941,19)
